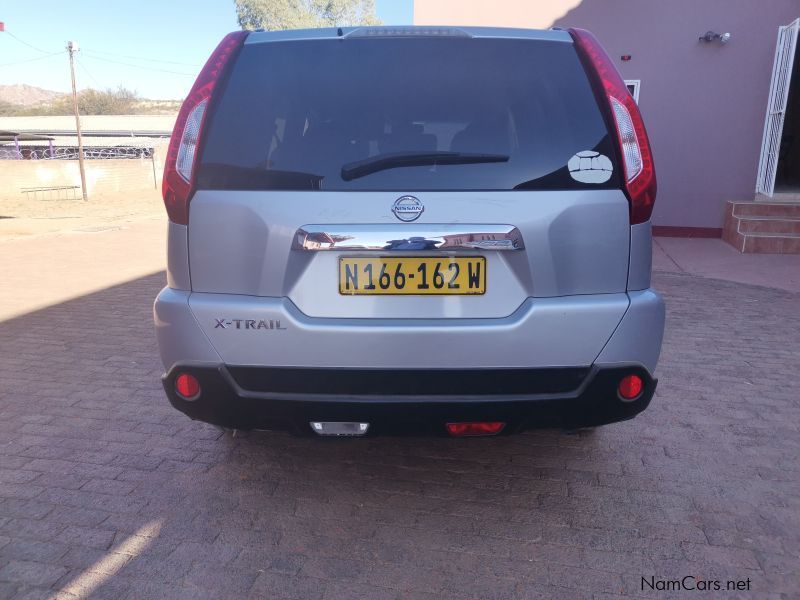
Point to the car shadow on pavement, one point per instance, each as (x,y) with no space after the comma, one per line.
(105,490)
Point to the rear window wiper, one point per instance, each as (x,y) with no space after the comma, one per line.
(381,162)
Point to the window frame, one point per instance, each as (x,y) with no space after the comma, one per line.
(636,84)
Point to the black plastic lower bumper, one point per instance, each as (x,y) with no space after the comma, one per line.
(240,397)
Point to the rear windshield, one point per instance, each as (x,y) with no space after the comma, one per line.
(402,114)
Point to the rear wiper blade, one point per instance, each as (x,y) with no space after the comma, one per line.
(381,162)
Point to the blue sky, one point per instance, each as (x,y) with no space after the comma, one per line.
(154,47)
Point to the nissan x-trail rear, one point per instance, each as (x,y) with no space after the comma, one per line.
(416,230)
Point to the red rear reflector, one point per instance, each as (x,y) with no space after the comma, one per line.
(472,429)
(187,386)
(630,387)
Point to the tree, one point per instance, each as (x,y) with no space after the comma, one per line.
(7,109)
(302,14)
(121,101)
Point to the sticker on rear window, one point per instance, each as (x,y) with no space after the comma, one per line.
(589,166)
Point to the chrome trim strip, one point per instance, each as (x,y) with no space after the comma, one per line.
(408,237)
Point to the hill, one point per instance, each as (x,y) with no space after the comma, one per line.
(21,94)
(26,100)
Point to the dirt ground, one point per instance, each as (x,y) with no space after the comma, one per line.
(23,217)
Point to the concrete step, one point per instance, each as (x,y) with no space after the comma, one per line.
(763,243)
(769,225)
(790,210)
(771,243)
(763,228)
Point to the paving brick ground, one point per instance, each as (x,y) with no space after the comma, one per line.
(106,491)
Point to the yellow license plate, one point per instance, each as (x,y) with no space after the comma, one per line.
(412,275)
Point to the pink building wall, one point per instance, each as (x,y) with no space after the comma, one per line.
(704,103)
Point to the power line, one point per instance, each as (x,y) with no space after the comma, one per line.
(119,62)
(19,62)
(85,70)
(26,43)
(155,60)
(88,53)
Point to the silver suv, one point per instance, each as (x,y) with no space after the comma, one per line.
(390,230)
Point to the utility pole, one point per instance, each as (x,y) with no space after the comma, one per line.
(72,48)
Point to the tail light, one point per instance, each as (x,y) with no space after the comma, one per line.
(633,145)
(184,145)
(475,429)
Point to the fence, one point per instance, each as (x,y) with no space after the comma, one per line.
(57,192)
(108,169)
(71,153)
(102,176)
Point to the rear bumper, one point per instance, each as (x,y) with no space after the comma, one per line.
(570,330)
(408,401)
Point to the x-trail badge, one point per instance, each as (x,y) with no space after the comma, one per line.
(407,208)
